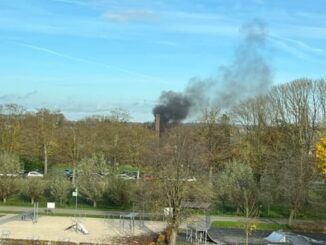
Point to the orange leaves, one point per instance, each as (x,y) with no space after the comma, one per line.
(321,155)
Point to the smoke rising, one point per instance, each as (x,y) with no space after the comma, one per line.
(174,107)
(248,74)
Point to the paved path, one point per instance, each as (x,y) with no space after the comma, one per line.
(8,217)
(104,213)
(67,211)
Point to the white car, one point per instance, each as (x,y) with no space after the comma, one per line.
(34,174)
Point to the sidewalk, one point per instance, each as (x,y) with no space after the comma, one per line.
(61,211)
(105,214)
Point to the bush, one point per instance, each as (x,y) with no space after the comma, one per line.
(33,188)
(60,188)
(32,164)
(118,191)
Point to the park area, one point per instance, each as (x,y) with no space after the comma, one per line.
(265,166)
(49,229)
(42,226)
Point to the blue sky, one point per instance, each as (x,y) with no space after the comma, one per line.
(88,57)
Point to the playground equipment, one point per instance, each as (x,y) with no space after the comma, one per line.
(198,231)
(32,215)
(77,226)
(130,218)
(130,223)
(282,237)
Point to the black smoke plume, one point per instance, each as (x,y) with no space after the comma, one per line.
(173,107)
(248,74)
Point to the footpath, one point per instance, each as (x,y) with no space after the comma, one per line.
(60,211)
(106,214)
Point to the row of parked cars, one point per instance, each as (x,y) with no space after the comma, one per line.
(124,176)
(24,174)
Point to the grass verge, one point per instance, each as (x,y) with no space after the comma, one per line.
(241,225)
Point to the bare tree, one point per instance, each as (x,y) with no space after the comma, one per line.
(281,129)
(299,110)
(215,131)
(237,182)
(10,169)
(175,164)
(60,187)
(33,188)
(11,117)
(72,143)
(255,135)
(47,124)
(89,181)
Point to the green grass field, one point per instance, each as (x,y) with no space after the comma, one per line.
(241,225)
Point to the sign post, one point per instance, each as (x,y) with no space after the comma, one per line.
(75,194)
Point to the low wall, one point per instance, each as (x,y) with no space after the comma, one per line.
(9,241)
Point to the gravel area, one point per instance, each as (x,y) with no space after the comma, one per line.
(53,229)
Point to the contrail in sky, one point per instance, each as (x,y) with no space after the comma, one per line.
(87,61)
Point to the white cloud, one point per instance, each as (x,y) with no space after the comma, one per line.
(132,15)
(301,31)
(206,29)
(298,49)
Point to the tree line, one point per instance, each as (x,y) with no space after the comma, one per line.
(267,150)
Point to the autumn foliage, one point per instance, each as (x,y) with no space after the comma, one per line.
(321,155)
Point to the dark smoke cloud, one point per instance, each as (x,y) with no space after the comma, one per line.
(173,107)
(247,75)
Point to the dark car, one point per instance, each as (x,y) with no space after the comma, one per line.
(68,173)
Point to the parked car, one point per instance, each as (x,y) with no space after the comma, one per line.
(9,175)
(34,174)
(68,173)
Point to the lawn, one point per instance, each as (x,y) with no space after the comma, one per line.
(240,225)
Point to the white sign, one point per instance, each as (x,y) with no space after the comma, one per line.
(50,205)
(74,193)
(168,211)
